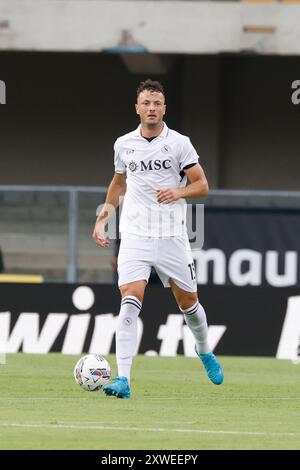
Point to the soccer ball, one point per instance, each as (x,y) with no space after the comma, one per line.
(92,372)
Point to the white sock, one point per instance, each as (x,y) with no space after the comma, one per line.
(195,319)
(126,334)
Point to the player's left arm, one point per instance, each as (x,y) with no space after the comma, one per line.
(198,187)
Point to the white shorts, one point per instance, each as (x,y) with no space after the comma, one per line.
(171,258)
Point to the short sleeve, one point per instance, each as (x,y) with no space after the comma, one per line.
(188,155)
(119,164)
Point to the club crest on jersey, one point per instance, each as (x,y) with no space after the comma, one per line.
(166,149)
(132,166)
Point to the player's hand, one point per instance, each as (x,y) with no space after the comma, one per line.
(99,235)
(165,196)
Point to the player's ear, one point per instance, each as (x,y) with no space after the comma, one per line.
(137,109)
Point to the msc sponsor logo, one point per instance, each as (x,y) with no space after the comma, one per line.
(132,166)
(155,165)
(150,165)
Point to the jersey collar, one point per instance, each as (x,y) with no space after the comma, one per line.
(163,133)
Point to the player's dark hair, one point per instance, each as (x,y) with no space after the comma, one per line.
(151,85)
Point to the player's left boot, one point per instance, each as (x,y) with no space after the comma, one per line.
(212,366)
(119,387)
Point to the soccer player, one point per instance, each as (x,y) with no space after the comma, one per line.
(152,165)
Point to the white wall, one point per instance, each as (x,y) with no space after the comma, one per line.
(162,27)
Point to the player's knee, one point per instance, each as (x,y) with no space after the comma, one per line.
(133,292)
(188,300)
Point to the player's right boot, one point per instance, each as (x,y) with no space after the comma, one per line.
(119,387)
(212,366)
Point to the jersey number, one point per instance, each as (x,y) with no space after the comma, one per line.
(192,270)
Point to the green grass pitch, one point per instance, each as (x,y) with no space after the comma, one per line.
(173,406)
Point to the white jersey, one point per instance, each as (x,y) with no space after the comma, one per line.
(150,166)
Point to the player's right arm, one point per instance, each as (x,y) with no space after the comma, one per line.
(116,190)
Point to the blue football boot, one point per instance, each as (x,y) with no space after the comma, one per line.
(212,366)
(119,387)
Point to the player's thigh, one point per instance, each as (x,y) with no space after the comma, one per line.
(134,267)
(176,262)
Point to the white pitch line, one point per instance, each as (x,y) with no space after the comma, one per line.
(19,399)
(222,398)
(127,428)
(42,398)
